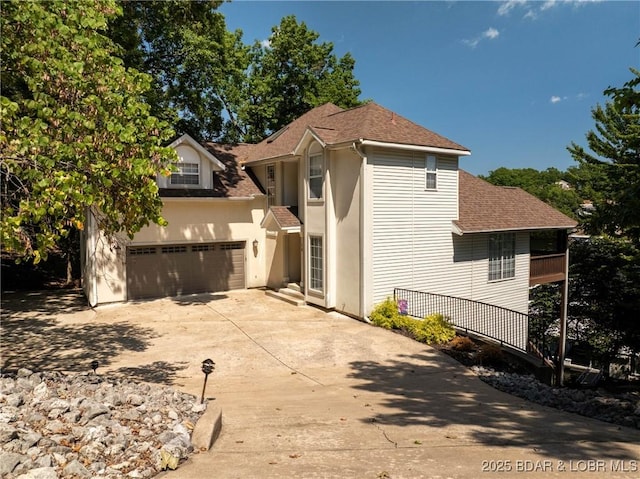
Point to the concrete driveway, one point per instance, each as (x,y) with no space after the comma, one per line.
(311,394)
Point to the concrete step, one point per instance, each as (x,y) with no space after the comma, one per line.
(294,287)
(288,296)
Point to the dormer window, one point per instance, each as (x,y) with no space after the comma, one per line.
(187,174)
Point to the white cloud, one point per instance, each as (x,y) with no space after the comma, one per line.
(490,34)
(266,43)
(533,9)
(506,7)
(555,99)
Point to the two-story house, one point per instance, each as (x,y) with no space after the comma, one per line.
(345,204)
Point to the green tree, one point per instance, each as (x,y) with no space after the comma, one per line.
(614,162)
(544,185)
(195,63)
(290,76)
(604,293)
(76,133)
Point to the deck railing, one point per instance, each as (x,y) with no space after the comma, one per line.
(547,268)
(508,327)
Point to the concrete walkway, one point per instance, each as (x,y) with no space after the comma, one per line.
(314,395)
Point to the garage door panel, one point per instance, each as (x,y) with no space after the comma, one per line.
(155,271)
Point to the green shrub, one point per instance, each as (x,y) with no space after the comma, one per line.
(386,314)
(432,329)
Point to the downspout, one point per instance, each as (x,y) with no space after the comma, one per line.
(361,238)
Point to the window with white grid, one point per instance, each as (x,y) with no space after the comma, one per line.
(187,174)
(502,256)
(316,177)
(431,168)
(316,270)
(271,185)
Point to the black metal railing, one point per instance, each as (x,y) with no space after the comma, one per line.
(508,327)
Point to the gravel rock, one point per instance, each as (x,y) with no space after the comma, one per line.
(82,426)
(615,408)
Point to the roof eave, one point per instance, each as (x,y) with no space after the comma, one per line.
(309,132)
(410,147)
(457,229)
(271,159)
(187,139)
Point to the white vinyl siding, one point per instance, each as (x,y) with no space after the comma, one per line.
(467,276)
(412,244)
(187,174)
(316,260)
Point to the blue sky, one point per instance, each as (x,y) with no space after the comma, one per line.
(513,81)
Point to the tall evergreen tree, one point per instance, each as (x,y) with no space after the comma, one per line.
(615,162)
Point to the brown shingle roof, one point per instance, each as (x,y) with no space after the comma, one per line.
(486,207)
(285,140)
(285,217)
(373,122)
(234,182)
(334,125)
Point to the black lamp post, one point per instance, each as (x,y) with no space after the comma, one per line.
(207,368)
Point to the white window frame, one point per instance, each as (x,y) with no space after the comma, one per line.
(316,263)
(315,176)
(182,177)
(431,173)
(502,256)
(271,185)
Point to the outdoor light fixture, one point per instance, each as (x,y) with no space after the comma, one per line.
(255,244)
(207,368)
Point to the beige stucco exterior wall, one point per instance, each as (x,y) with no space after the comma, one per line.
(345,176)
(190,221)
(105,278)
(315,224)
(274,256)
(202,220)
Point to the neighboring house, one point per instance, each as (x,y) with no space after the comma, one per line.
(345,204)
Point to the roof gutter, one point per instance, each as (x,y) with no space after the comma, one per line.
(272,159)
(425,149)
(459,231)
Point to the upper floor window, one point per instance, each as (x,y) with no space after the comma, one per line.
(502,256)
(187,174)
(271,185)
(431,168)
(316,177)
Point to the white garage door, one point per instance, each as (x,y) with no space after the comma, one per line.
(156,271)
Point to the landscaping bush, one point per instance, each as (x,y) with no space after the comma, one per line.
(432,329)
(386,314)
(462,343)
(490,355)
